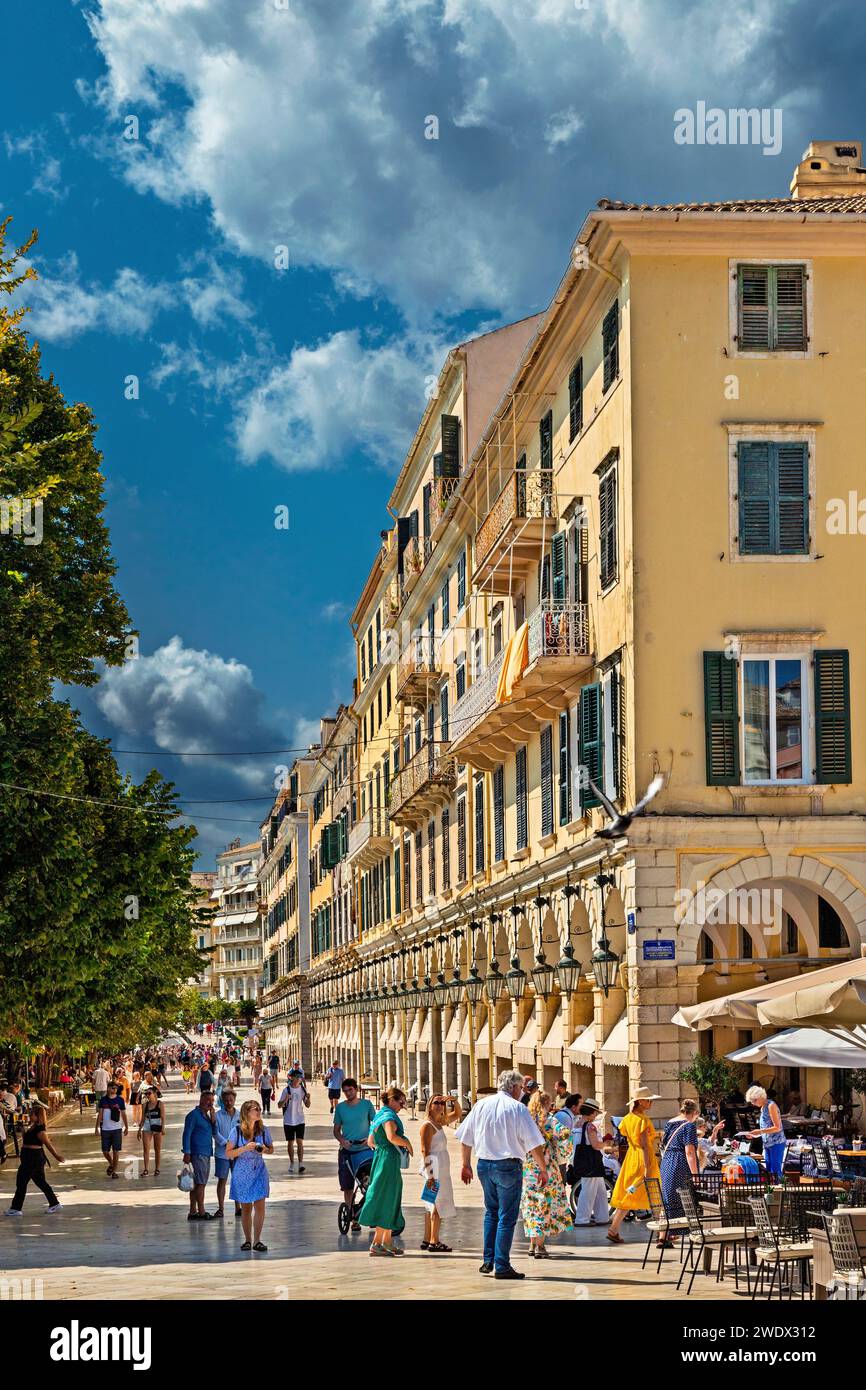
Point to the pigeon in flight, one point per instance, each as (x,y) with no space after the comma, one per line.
(620,821)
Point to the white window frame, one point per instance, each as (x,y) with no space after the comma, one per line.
(734,307)
(806,718)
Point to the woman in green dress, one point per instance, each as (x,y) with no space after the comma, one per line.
(382,1204)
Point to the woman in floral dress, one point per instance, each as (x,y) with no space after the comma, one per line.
(544,1206)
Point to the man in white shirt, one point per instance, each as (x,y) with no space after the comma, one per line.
(101,1078)
(502,1132)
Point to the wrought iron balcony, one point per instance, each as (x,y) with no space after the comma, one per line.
(440,500)
(370,838)
(418,672)
(507,541)
(424,784)
(487,730)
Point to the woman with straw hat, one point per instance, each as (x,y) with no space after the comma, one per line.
(640,1162)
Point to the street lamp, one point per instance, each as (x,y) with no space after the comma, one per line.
(542,977)
(605,965)
(568,970)
(440,991)
(494,983)
(515,980)
(474,986)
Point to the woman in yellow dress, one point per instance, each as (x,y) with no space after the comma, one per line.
(641,1162)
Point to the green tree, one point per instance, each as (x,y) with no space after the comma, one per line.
(711,1077)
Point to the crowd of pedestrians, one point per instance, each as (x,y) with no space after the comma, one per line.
(525,1146)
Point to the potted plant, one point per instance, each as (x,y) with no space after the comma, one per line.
(712,1078)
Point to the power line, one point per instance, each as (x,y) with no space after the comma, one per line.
(118,805)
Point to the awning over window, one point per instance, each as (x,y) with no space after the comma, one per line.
(582,1049)
(218,921)
(452,1037)
(250,917)
(420,1035)
(524,1050)
(551,1050)
(395,1037)
(614,1052)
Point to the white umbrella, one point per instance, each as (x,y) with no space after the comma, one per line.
(804,1047)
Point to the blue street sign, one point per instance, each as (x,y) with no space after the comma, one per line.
(632,924)
(659,950)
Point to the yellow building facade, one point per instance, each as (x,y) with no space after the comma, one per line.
(626,546)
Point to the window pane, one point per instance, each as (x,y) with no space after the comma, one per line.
(789,722)
(756,710)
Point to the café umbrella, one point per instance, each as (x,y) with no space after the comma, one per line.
(803,1047)
(772,1002)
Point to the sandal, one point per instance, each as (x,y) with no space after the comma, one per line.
(440,1249)
(542,1254)
(260,1247)
(425,1245)
(615,1238)
(145,1174)
(246,1245)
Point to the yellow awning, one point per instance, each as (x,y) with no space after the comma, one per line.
(524,1050)
(551,1050)
(614,1051)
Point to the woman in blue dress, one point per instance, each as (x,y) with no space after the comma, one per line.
(770,1132)
(679,1156)
(248,1142)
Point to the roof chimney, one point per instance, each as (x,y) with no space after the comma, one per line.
(830,169)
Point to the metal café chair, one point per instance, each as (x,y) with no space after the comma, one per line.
(778,1250)
(821,1159)
(703,1238)
(660,1224)
(847,1261)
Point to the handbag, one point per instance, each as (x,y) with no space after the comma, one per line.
(185,1179)
(405,1159)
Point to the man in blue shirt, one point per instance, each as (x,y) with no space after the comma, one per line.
(352,1119)
(198,1139)
(334,1078)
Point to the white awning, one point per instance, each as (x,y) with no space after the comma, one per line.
(415,1034)
(217,893)
(395,1037)
(218,921)
(524,1050)
(582,1049)
(463,1044)
(614,1052)
(804,1047)
(504,1040)
(551,1050)
(452,1037)
(250,917)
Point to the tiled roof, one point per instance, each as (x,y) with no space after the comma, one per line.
(853,203)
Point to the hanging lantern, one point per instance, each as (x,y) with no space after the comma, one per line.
(605,966)
(543,976)
(474,986)
(440,991)
(455,989)
(515,980)
(494,983)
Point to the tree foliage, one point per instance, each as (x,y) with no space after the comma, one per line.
(712,1077)
(97,910)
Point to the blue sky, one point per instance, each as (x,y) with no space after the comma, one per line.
(262,126)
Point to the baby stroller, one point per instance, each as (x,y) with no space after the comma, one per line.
(361,1162)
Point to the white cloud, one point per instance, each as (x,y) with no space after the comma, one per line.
(192,702)
(305,126)
(338,396)
(307,732)
(331,612)
(48,172)
(62,307)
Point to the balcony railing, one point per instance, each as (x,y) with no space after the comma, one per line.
(418,671)
(515,521)
(370,838)
(558,656)
(440,499)
(426,782)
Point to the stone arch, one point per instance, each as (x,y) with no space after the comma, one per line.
(798,876)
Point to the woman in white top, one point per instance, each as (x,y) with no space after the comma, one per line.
(436,1168)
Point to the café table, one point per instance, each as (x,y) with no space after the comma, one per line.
(822,1260)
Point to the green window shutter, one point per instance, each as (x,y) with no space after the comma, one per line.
(558,560)
(591,740)
(756,497)
(575,400)
(792,485)
(832,717)
(521,799)
(790,308)
(610,345)
(545,440)
(722,719)
(498,814)
(564,770)
(773,497)
(397,884)
(547,780)
(772,308)
(450,446)
(753,297)
(607,543)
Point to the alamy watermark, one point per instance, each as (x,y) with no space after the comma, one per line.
(737,126)
(712,906)
(22,516)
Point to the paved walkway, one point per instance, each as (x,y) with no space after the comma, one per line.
(129,1238)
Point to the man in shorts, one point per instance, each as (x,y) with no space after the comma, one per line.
(198,1140)
(293,1102)
(352,1119)
(334,1078)
(111,1125)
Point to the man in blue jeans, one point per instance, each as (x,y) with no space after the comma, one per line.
(502,1132)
